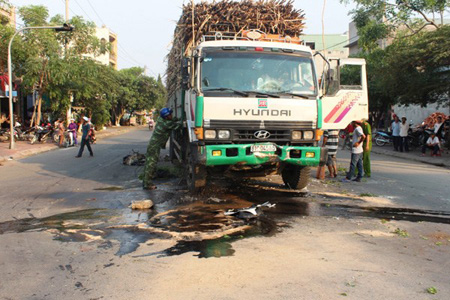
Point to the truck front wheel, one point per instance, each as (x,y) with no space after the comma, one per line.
(296,177)
(195,173)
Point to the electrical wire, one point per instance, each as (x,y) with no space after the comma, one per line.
(118,44)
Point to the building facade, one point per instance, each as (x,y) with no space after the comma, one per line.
(7,15)
(106,36)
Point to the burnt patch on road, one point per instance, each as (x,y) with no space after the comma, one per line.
(386,213)
(60,222)
(110,188)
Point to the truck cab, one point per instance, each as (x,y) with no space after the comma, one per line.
(255,104)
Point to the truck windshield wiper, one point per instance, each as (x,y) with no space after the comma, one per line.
(227,89)
(263,94)
(293,94)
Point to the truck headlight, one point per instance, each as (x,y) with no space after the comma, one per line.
(210,134)
(224,134)
(308,135)
(296,135)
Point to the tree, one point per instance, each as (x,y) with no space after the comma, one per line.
(6,32)
(136,92)
(45,64)
(419,67)
(379,19)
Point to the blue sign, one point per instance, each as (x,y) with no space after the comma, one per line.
(14,93)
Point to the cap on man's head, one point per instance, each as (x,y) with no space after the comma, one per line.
(85,118)
(403,118)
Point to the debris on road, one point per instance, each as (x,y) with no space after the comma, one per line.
(134,159)
(142,204)
(248,212)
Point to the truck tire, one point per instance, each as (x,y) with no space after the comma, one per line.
(296,177)
(195,173)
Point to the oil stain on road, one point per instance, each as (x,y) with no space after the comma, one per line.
(199,224)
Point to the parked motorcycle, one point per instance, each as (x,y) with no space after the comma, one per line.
(43,132)
(382,138)
(18,134)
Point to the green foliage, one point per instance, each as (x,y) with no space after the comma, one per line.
(56,64)
(401,232)
(379,19)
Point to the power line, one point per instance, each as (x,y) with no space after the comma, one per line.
(119,44)
(84,10)
(89,2)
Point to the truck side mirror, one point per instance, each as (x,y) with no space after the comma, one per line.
(186,64)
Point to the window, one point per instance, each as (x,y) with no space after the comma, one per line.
(258,71)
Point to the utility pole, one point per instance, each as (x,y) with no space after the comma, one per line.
(67,11)
(69,109)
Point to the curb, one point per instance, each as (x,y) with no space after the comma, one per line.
(440,163)
(51,147)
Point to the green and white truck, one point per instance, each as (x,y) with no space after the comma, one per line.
(256,104)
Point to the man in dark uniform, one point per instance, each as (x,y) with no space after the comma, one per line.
(164,126)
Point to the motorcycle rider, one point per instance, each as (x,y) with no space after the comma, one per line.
(72,128)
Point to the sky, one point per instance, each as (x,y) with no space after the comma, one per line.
(144,28)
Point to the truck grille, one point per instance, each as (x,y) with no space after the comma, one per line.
(249,135)
(268,125)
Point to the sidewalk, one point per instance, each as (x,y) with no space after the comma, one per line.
(416,155)
(25,149)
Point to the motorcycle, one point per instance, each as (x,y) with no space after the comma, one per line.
(43,132)
(18,134)
(69,140)
(382,138)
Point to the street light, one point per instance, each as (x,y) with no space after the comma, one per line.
(65,27)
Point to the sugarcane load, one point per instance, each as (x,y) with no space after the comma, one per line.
(246,90)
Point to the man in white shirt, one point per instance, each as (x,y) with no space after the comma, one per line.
(395,126)
(404,128)
(357,153)
(433,144)
(439,128)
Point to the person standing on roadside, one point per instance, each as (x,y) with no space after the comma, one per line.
(357,153)
(404,128)
(61,130)
(86,127)
(396,133)
(439,128)
(367,147)
(348,135)
(330,141)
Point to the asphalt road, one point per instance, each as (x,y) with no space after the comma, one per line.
(66,232)
(406,183)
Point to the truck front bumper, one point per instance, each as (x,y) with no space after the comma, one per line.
(217,155)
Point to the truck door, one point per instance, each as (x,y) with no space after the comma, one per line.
(345,97)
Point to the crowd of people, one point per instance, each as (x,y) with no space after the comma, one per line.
(358,136)
(361,146)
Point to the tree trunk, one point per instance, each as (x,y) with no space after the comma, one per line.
(38,117)
(118,116)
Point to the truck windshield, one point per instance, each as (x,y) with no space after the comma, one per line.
(259,72)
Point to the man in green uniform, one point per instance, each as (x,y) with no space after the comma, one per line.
(164,126)
(367,147)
